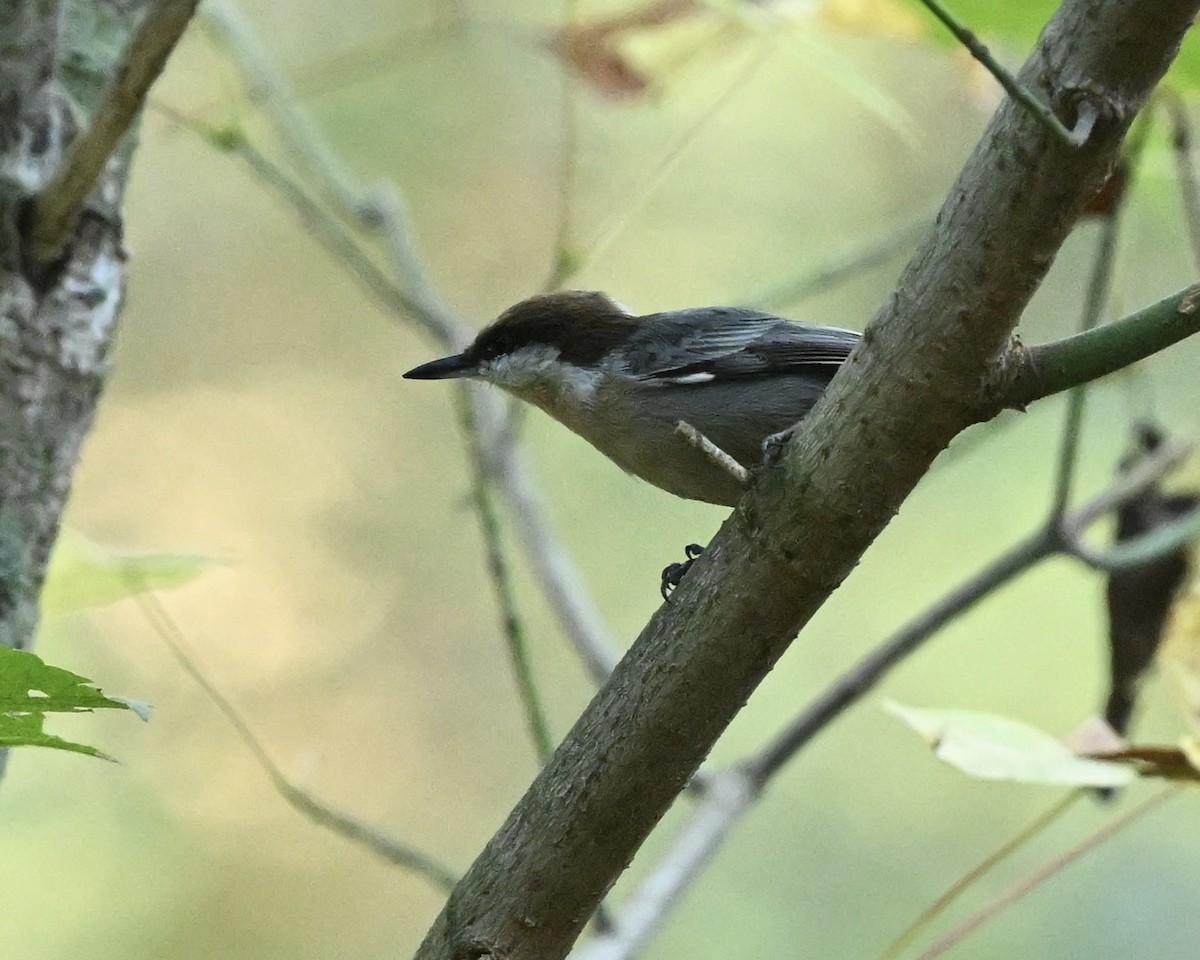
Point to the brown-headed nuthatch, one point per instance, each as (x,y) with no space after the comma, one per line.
(623,382)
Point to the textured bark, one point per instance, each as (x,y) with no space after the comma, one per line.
(56,319)
(931,363)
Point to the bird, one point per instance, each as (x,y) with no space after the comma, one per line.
(623,382)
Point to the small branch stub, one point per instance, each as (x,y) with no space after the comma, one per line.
(718,457)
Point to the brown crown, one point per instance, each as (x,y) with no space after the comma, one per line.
(583,325)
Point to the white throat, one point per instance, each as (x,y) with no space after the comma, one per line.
(536,374)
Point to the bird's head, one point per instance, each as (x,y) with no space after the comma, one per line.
(534,341)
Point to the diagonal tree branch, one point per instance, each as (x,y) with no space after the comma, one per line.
(733,791)
(924,370)
(57,207)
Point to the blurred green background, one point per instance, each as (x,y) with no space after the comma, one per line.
(256,413)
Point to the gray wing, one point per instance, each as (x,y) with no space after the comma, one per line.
(726,343)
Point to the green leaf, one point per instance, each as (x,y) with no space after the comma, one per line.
(30,688)
(86,574)
(26,731)
(991,747)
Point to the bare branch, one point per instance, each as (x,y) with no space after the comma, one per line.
(57,208)
(1147,472)
(1051,368)
(1093,307)
(1013,87)
(1135,553)
(380,208)
(727,797)
(912,384)
(375,208)
(646,909)
(864,675)
(1057,536)
(716,456)
(394,851)
(1031,882)
(511,623)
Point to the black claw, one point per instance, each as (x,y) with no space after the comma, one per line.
(673,573)
(773,446)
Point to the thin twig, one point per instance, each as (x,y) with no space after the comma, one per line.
(865,674)
(57,208)
(729,796)
(511,623)
(328,232)
(715,455)
(1181,145)
(1035,879)
(981,869)
(377,208)
(1139,551)
(381,208)
(574,607)
(1148,471)
(264,84)
(1038,110)
(317,220)
(843,266)
(390,849)
(565,259)
(1094,302)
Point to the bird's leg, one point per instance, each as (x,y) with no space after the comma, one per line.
(772,447)
(674,573)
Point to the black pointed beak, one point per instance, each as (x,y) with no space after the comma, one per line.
(444,369)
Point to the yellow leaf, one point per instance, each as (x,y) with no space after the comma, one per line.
(991,747)
(880,17)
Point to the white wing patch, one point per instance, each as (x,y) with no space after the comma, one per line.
(690,378)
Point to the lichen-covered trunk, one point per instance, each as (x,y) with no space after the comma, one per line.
(56,318)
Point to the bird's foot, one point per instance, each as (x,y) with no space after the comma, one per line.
(674,573)
(772,447)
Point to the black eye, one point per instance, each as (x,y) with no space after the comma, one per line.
(495,346)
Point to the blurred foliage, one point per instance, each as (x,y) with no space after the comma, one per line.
(85,574)
(256,412)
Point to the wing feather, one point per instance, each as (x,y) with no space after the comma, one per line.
(724,343)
